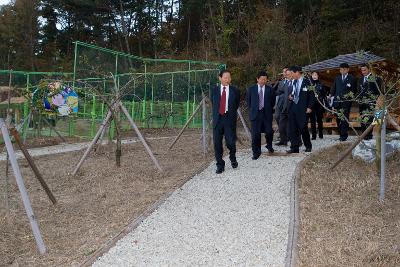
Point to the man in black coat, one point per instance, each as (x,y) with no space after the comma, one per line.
(301,102)
(369,88)
(261,101)
(225,101)
(343,85)
(283,92)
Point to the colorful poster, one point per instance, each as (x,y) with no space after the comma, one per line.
(55,98)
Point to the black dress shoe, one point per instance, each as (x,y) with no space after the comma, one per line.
(314,138)
(308,149)
(290,151)
(220,170)
(321,137)
(270,150)
(255,157)
(234,164)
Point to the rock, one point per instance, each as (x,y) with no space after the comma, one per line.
(366,149)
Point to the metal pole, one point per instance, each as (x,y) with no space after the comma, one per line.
(383,157)
(75,59)
(244,124)
(22,189)
(145,92)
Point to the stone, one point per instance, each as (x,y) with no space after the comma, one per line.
(366,149)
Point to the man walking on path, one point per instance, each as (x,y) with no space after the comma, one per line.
(283,92)
(261,100)
(301,102)
(343,86)
(225,103)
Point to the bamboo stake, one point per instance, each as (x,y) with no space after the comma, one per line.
(125,111)
(186,124)
(32,164)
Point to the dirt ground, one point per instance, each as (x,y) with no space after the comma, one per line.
(342,222)
(95,205)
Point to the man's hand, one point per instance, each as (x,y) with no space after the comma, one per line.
(290,97)
(308,110)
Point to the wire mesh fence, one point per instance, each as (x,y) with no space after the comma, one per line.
(156,92)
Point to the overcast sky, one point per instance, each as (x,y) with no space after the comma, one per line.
(3,2)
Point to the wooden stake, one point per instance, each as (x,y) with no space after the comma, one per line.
(244,124)
(22,189)
(32,164)
(348,151)
(186,124)
(140,136)
(94,141)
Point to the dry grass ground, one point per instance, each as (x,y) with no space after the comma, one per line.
(342,222)
(95,205)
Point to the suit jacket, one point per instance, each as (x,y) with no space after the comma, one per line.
(253,102)
(306,97)
(369,88)
(341,88)
(320,90)
(283,100)
(233,104)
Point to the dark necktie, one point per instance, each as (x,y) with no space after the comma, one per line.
(222,102)
(296,91)
(260,99)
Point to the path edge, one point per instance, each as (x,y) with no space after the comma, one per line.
(294,220)
(136,221)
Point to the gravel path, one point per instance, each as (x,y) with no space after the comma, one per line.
(238,218)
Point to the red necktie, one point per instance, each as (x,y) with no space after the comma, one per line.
(222,102)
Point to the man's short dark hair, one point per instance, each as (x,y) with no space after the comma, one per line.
(296,68)
(221,73)
(364,65)
(262,73)
(344,65)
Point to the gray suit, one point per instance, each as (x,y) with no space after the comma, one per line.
(282,107)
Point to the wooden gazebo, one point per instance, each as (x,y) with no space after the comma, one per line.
(328,69)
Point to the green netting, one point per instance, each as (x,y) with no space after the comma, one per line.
(158,92)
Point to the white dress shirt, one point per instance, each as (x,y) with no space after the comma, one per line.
(227,95)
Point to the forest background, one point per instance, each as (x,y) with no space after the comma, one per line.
(38,35)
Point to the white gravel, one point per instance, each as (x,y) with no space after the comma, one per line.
(238,218)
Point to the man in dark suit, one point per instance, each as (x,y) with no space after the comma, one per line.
(261,101)
(301,102)
(283,92)
(343,85)
(225,103)
(369,88)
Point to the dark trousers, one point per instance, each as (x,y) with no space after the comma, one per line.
(258,126)
(224,128)
(343,125)
(366,110)
(316,117)
(283,127)
(298,127)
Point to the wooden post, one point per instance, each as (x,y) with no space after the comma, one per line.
(32,164)
(140,136)
(186,124)
(383,157)
(22,189)
(94,141)
(204,125)
(348,151)
(244,124)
